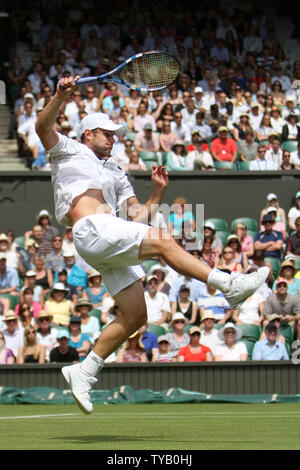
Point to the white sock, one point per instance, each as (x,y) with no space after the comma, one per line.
(219,280)
(92,364)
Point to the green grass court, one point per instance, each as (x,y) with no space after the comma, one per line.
(151,427)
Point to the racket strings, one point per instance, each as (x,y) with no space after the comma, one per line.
(151,71)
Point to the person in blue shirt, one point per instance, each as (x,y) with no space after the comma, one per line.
(9,278)
(78,340)
(270,349)
(270,240)
(76,274)
(149,341)
(180,215)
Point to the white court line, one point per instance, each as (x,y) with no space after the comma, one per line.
(40,416)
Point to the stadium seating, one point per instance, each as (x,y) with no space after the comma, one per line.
(20,241)
(225,166)
(250,332)
(290,145)
(149,158)
(223,236)
(275,263)
(250,223)
(156,329)
(249,345)
(131,135)
(244,165)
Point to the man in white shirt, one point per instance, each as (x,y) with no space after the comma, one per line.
(283,79)
(189,114)
(255,116)
(261,164)
(14,336)
(89,189)
(209,335)
(158,305)
(180,128)
(274,154)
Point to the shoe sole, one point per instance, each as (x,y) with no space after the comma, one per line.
(67,377)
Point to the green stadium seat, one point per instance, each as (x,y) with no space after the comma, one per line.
(149,164)
(220,224)
(147,155)
(14,300)
(290,145)
(244,165)
(249,345)
(148,263)
(131,135)
(223,236)
(20,241)
(164,157)
(252,234)
(275,263)
(250,223)
(156,329)
(250,331)
(288,332)
(297,263)
(225,166)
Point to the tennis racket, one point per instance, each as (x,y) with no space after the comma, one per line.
(146,71)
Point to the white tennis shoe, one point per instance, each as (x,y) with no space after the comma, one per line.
(81,385)
(244,285)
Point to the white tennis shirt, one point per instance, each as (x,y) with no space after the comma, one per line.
(75,169)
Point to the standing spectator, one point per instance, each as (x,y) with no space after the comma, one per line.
(269,240)
(31,350)
(270,349)
(45,334)
(158,305)
(177,336)
(215,301)
(195,351)
(209,334)
(224,148)
(63,352)
(6,354)
(13,334)
(232,349)
(78,340)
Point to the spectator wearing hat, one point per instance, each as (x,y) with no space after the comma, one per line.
(28,254)
(158,305)
(240,128)
(185,305)
(255,115)
(240,256)
(199,99)
(9,278)
(294,212)
(63,352)
(272,201)
(177,336)
(209,334)
(289,271)
(232,349)
(260,163)
(96,290)
(291,130)
(161,272)
(224,148)
(77,276)
(78,340)
(133,349)
(209,230)
(279,226)
(44,220)
(200,158)
(54,261)
(12,258)
(13,334)
(177,158)
(287,306)
(269,240)
(293,243)
(214,300)
(62,275)
(38,291)
(164,354)
(146,139)
(275,319)
(269,349)
(58,306)
(149,341)
(46,335)
(248,148)
(195,351)
(89,323)
(277,122)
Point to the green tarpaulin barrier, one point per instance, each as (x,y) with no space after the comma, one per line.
(127,395)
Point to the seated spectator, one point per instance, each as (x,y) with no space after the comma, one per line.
(135,162)
(89,323)
(241,127)
(185,305)
(240,256)
(274,153)
(142,118)
(63,352)
(259,261)
(224,148)
(9,278)
(6,354)
(45,334)
(288,271)
(255,116)
(248,148)
(149,341)
(269,240)
(293,243)
(208,254)
(31,351)
(167,138)
(275,320)
(195,351)
(180,214)
(54,261)
(260,163)
(14,337)
(72,294)
(177,336)
(295,157)
(58,306)
(28,254)
(265,129)
(189,114)
(12,258)
(251,311)
(177,159)
(278,95)
(78,340)
(214,300)
(278,226)
(232,349)
(145,139)
(277,122)
(214,118)
(165,115)
(34,307)
(42,278)
(77,276)
(45,243)
(199,157)
(161,272)
(96,290)
(287,306)
(270,349)
(209,334)
(228,261)
(209,230)
(200,126)
(164,354)
(133,350)
(158,305)
(290,130)
(286,164)
(38,291)
(132,101)
(180,128)
(25,316)
(197,288)
(272,201)
(246,241)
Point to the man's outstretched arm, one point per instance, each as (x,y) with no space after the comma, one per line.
(45,124)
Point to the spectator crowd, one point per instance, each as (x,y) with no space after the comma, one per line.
(235,105)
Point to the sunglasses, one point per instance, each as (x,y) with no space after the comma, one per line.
(229,332)
(228,252)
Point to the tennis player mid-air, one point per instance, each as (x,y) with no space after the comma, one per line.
(89,189)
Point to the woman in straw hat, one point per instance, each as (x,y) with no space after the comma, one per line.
(133,349)
(289,271)
(89,324)
(96,291)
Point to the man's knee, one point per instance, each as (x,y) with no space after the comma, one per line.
(156,242)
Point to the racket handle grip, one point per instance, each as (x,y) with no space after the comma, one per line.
(82,81)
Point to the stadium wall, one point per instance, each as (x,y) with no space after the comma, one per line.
(225,194)
(231,378)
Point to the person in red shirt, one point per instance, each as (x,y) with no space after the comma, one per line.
(195,352)
(224,148)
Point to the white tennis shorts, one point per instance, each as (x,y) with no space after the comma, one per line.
(111,246)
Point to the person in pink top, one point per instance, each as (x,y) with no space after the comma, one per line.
(35,307)
(246,241)
(224,148)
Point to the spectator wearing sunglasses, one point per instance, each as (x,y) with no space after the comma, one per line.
(158,305)
(269,240)
(177,337)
